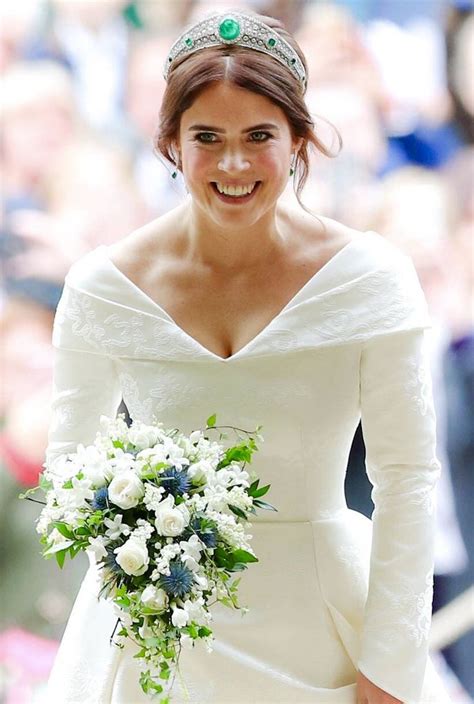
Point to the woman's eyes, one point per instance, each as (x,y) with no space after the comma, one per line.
(200,135)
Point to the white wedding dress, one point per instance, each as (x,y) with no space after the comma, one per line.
(333,591)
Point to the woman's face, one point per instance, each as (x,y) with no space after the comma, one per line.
(234,137)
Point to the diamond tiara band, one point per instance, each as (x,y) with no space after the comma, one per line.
(240,29)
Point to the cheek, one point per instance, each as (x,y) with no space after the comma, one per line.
(272,162)
(196,163)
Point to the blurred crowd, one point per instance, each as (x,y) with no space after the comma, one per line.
(80,91)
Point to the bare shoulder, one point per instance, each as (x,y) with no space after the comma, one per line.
(321,237)
(134,253)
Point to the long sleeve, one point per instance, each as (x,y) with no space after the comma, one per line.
(85,386)
(399,425)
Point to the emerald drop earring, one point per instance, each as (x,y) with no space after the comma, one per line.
(292,165)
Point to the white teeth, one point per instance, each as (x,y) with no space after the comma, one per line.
(235,190)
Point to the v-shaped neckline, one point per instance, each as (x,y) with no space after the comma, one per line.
(301,291)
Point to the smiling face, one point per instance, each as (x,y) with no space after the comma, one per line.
(231,136)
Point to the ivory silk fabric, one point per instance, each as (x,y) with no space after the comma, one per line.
(333,591)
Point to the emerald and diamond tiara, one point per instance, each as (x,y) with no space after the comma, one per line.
(240,29)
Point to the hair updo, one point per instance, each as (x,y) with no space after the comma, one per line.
(249,69)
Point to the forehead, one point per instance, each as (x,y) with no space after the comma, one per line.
(229,104)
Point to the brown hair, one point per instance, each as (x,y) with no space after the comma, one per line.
(249,69)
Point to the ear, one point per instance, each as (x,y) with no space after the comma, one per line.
(175,151)
(297,143)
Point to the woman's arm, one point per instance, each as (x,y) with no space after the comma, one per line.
(85,386)
(398,424)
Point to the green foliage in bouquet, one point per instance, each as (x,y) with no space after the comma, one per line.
(164,516)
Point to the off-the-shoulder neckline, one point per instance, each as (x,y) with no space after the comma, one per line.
(103,249)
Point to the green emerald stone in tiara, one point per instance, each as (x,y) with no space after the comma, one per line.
(229,29)
(236,29)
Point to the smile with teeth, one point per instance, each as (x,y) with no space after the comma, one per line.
(235,191)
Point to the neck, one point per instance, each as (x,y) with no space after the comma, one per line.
(234,246)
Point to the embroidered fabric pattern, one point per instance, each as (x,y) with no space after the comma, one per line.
(406,612)
(380,302)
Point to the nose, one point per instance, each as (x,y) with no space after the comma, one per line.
(233,161)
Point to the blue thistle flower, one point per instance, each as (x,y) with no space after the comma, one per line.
(101,499)
(179,581)
(175,481)
(110,561)
(205,529)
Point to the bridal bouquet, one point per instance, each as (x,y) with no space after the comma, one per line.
(165,515)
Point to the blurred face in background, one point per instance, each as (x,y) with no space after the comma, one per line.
(34,134)
(146,85)
(39,119)
(89,13)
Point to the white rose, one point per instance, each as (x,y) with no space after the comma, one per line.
(143,436)
(152,455)
(133,557)
(122,461)
(179,617)
(155,598)
(170,521)
(126,490)
(199,470)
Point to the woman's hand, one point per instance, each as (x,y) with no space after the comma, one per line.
(369,693)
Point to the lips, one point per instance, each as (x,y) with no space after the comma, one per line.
(235,200)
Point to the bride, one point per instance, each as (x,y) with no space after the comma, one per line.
(236,303)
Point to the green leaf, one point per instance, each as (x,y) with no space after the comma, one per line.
(243,556)
(203,631)
(222,558)
(82,531)
(263,504)
(45,484)
(64,529)
(238,511)
(152,642)
(260,492)
(74,550)
(192,630)
(211,421)
(253,486)
(122,601)
(238,567)
(59,547)
(60,557)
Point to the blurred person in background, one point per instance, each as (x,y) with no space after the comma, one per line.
(459,39)
(19,22)
(144,90)
(77,218)
(39,120)
(91,39)
(346,87)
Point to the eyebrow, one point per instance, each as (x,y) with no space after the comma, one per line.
(209,128)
